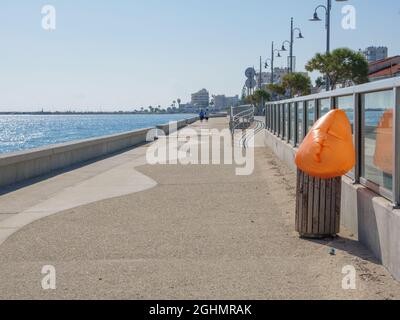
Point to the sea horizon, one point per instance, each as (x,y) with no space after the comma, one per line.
(21,132)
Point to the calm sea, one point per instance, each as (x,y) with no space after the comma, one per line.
(22,132)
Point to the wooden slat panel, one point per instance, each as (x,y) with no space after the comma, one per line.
(305,204)
(317,186)
(299,203)
(310,205)
(332,225)
(338,203)
(322,200)
(297,200)
(317,205)
(328,206)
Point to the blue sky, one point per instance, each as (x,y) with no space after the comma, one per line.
(112,55)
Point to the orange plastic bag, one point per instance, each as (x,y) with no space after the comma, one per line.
(328,150)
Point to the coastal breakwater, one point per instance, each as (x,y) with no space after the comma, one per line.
(21,166)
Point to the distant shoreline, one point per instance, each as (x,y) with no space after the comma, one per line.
(89,113)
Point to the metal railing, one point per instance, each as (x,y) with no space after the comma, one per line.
(241,117)
(374,112)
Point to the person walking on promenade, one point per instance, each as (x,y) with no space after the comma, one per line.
(201,115)
(207,114)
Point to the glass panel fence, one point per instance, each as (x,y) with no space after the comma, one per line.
(324,106)
(271,114)
(292,122)
(347,105)
(270,117)
(277,119)
(300,122)
(286,125)
(377,164)
(310,114)
(282,120)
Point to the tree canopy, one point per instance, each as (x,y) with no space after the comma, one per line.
(340,65)
(295,83)
(257,99)
(258,96)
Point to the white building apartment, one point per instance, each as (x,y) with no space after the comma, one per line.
(201,99)
(376,53)
(221,102)
(266,76)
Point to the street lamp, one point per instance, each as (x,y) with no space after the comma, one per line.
(283,45)
(316,18)
(291,43)
(266,65)
(272,60)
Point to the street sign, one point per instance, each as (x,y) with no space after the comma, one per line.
(251,83)
(250,73)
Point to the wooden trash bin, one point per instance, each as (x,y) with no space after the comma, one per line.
(318,206)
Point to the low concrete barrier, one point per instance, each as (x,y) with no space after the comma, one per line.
(219,115)
(192,120)
(25,165)
(367,215)
(21,166)
(283,150)
(179,125)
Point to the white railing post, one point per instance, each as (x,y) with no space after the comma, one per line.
(357,136)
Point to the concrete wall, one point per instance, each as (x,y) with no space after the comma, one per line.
(219,115)
(369,216)
(21,166)
(283,150)
(378,228)
(177,125)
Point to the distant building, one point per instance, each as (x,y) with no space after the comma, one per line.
(386,68)
(201,99)
(374,54)
(266,76)
(189,108)
(232,101)
(221,102)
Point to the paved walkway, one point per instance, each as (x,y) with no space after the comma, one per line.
(135,231)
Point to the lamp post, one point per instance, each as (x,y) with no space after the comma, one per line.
(272,59)
(316,18)
(291,43)
(260,76)
(290,66)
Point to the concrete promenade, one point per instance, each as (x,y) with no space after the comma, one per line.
(120,228)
